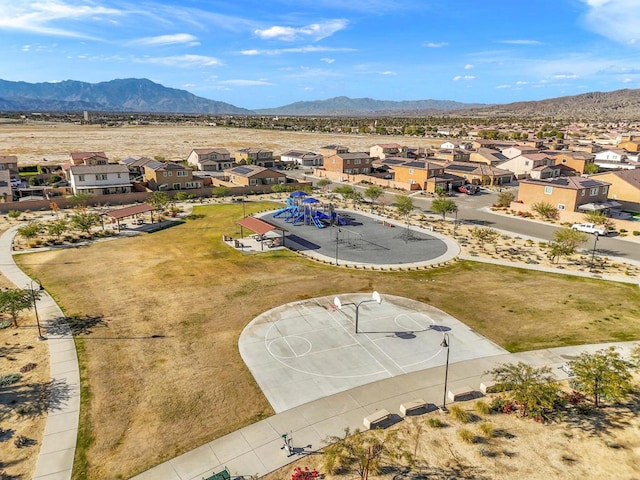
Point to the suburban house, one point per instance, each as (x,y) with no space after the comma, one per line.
(625,187)
(487,155)
(614,158)
(453,155)
(414,173)
(329,150)
(88,158)
(250,175)
(514,151)
(630,146)
(448,146)
(546,171)
(99,179)
(6,193)
(350,163)
(567,193)
(385,150)
(136,164)
(576,160)
(522,165)
(255,156)
(302,158)
(210,159)
(169,176)
(479,174)
(10,164)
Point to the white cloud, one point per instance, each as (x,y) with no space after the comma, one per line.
(468,66)
(40,17)
(503,86)
(185,61)
(522,82)
(245,83)
(617,20)
(521,42)
(314,31)
(463,77)
(328,60)
(564,76)
(307,49)
(388,72)
(161,40)
(435,44)
(627,80)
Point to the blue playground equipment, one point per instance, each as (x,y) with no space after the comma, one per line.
(303,210)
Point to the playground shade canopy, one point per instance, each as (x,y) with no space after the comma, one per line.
(258,225)
(130,211)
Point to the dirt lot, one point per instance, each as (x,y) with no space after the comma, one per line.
(33,143)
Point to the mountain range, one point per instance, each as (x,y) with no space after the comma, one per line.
(145,96)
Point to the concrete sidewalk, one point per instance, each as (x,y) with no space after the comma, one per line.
(55,460)
(256,449)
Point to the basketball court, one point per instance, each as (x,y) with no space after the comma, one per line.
(309,349)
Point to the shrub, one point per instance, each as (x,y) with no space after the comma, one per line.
(304,474)
(9,379)
(623,230)
(502,405)
(434,422)
(481,407)
(466,436)
(460,414)
(487,429)
(636,233)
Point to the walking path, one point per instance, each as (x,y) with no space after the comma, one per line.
(55,460)
(257,448)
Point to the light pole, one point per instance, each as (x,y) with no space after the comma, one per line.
(593,253)
(445,344)
(455,223)
(35,307)
(337,241)
(375,297)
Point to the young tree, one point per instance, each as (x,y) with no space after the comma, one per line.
(545,210)
(222,191)
(366,452)
(485,234)
(505,199)
(591,168)
(565,243)
(345,190)
(30,230)
(443,205)
(373,193)
(602,375)
(404,207)
(84,220)
(80,199)
(598,218)
(57,227)
(323,183)
(535,390)
(13,301)
(159,200)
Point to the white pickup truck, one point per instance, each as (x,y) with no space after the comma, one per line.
(589,228)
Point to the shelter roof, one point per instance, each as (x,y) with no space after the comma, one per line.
(259,225)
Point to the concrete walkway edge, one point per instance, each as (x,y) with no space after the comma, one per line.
(55,459)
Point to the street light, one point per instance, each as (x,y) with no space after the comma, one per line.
(337,242)
(593,254)
(445,344)
(375,297)
(35,307)
(455,223)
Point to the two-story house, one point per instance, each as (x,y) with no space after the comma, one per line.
(210,159)
(614,158)
(169,176)
(478,173)
(487,155)
(255,156)
(513,151)
(88,158)
(99,179)
(453,155)
(415,173)
(522,165)
(302,158)
(329,150)
(252,175)
(385,150)
(10,163)
(576,160)
(566,193)
(350,163)
(625,187)
(136,164)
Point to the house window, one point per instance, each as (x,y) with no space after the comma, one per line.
(357,161)
(333,161)
(253,181)
(605,189)
(119,176)
(593,191)
(181,173)
(527,163)
(81,178)
(176,186)
(164,174)
(412,181)
(562,206)
(101,176)
(411,171)
(584,192)
(548,190)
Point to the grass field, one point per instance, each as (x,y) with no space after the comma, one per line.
(162,314)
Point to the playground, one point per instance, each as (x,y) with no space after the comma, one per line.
(309,349)
(319,229)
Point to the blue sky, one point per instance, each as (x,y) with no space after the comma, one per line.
(258,54)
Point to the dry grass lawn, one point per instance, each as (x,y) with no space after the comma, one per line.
(160,365)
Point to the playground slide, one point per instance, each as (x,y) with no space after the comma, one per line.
(292,214)
(322,216)
(277,213)
(299,218)
(317,222)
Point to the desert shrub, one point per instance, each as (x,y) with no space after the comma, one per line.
(502,405)
(487,429)
(636,233)
(434,422)
(460,414)
(9,379)
(466,436)
(28,367)
(481,407)
(14,214)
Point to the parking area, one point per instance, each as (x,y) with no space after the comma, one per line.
(309,349)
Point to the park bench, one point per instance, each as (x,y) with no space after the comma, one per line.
(461,394)
(375,418)
(417,404)
(223,475)
(487,387)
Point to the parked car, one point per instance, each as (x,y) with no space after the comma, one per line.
(469,189)
(589,228)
